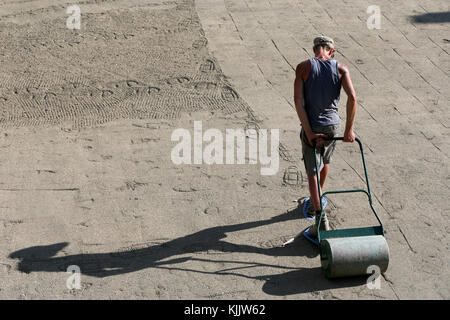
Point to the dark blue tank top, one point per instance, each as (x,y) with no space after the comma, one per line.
(322,91)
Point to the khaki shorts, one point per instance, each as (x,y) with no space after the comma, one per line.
(324,152)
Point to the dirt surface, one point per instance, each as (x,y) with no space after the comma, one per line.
(86,176)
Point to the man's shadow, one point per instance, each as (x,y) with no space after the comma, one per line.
(432,17)
(164,256)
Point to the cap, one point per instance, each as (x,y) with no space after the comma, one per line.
(323,40)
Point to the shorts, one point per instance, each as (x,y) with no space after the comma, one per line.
(324,152)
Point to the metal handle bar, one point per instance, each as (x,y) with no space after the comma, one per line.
(368,193)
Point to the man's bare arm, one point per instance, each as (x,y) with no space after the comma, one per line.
(347,84)
(299,100)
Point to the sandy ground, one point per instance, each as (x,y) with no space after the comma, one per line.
(86,176)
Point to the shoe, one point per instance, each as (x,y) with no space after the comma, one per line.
(310,213)
(324,225)
(314,240)
(312,231)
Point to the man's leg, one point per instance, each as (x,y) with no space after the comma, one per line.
(323,174)
(309,161)
(312,182)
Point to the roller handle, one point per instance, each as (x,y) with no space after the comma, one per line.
(362,156)
(338,138)
(365,174)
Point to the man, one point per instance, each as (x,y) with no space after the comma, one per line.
(317,89)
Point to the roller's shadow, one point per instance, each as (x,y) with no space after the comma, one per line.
(164,256)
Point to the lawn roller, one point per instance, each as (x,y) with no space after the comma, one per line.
(350,252)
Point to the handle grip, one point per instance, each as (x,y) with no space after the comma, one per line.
(336,139)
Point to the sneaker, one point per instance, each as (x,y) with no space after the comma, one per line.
(313,231)
(324,225)
(310,212)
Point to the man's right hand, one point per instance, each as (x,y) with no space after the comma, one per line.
(318,137)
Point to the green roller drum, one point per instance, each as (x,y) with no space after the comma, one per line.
(343,257)
(355,251)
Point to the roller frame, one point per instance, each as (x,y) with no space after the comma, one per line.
(352,232)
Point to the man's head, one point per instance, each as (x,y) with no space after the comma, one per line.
(324,45)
